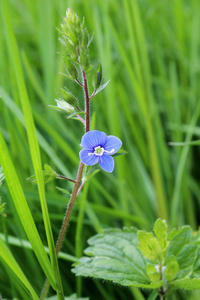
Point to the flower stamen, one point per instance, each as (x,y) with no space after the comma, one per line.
(99,151)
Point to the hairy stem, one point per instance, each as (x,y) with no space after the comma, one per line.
(77,186)
(69,208)
(87,102)
(63,177)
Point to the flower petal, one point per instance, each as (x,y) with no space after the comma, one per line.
(87,159)
(106,163)
(113,142)
(93,139)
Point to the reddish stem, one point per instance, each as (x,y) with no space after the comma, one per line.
(79,82)
(87,102)
(69,179)
(93,94)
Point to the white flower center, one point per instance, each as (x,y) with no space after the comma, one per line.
(99,151)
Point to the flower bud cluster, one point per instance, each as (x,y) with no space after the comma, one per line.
(76,40)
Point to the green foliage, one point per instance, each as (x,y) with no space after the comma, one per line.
(72,297)
(137,258)
(114,256)
(48,173)
(152,99)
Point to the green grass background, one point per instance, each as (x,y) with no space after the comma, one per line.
(150,51)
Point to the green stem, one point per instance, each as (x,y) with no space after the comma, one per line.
(76,186)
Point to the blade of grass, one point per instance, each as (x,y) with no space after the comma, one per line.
(23,243)
(8,258)
(33,144)
(24,211)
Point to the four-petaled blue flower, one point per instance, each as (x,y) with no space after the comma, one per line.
(98,147)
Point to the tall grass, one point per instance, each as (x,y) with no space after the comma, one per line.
(150,51)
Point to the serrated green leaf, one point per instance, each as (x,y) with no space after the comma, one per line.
(115,257)
(172,233)
(172,268)
(156,251)
(160,230)
(184,252)
(186,259)
(180,238)
(196,237)
(144,239)
(196,268)
(186,284)
(152,272)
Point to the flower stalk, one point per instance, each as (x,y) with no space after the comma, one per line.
(76,39)
(77,186)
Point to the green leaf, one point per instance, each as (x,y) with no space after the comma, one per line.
(48,174)
(115,257)
(102,87)
(63,190)
(73,115)
(7,257)
(90,174)
(146,242)
(184,252)
(172,268)
(196,268)
(160,230)
(152,273)
(120,152)
(186,284)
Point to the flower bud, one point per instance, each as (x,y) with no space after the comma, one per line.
(72,22)
(97,76)
(71,68)
(72,50)
(63,105)
(84,39)
(68,97)
(84,60)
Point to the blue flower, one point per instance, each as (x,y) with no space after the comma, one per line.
(98,148)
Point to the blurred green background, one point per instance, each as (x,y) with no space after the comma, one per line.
(150,51)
